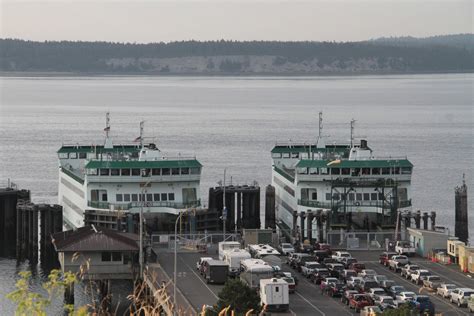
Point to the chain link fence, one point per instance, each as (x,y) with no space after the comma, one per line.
(360,240)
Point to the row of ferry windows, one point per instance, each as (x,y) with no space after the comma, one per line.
(355,196)
(146,172)
(75,155)
(149,197)
(356,171)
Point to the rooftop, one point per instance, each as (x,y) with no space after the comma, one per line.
(369,163)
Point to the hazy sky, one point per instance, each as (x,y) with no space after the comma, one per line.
(160,20)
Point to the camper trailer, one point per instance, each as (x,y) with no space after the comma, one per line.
(233,258)
(274,295)
(225,246)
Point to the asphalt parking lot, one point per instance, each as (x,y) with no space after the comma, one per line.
(307,300)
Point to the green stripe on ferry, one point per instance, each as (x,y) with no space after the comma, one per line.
(98,164)
(355,163)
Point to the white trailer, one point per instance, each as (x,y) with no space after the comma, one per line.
(274,295)
(254,270)
(227,245)
(233,258)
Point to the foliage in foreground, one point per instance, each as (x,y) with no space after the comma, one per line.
(238,297)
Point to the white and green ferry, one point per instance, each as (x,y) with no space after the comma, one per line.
(355,189)
(103,184)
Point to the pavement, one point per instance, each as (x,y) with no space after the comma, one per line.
(307,300)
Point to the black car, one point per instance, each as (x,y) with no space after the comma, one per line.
(335,289)
(327,261)
(320,255)
(348,261)
(319,274)
(296,258)
(367,285)
(335,269)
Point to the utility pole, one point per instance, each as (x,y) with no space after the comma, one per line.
(224,210)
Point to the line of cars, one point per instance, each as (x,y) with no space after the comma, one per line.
(423,277)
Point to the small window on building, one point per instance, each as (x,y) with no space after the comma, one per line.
(359,196)
(149,197)
(302,170)
(295,155)
(165,171)
(156,197)
(328,196)
(171,197)
(365,171)
(72,155)
(335,171)
(335,196)
(145,172)
(104,172)
(135,172)
(324,171)
(125,172)
(184,170)
(381,198)
(355,172)
(313,170)
(366,197)
(373,196)
(63,155)
(156,172)
(345,171)
(376,171)
(195,170)
(126,197)
(114,172)
(164,197)
(116,256)
(118,197)
(314,196)
(385,170)
(351,196)
(396,170)
(104,197)
(286,155)
(134,197)
(82,155)
(277,289)
(106,256)
(174,171)
(276,155)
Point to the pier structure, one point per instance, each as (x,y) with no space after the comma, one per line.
(461,229)
(270,207)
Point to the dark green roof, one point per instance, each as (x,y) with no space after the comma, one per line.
(314,149)
(98,164)
(99,149)
(355,163)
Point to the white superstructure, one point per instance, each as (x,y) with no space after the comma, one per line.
(109,180)
(347,183)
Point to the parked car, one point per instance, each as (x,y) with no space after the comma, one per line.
(348,261)
(424,305)
(319,274)
(376,291)
(305,248)
(329,260)
(323,246)
(335,289)
(408,269)
(405,248)
(379,278)
(385,302)
(291,259)
(366,285)
(445,289)
(296,259)
(359,301)
(371,311)
(404,297)
(286,248)
(470,304)
(338,255)
(367,272)
(387,284)
(395,290)
(346,274)
(346,297)
(397,262)
(418,276)
(353,281)
(357,267)
(321,255)
(460,296)
(335,269)
(300,261)
(432,282)
(308,267)
(385,257)
(325,283)
(291,284)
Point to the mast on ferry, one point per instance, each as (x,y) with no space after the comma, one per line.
(108,141)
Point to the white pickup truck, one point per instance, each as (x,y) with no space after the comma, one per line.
(405,248)
(397,262)
(339,255)
(308,267)
(419,276)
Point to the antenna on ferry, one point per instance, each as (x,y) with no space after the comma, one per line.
(108,143)
(320,125)
(142,126)
(352,131)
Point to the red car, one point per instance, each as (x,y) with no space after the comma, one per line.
(359,301)
(385,256)
(357,267)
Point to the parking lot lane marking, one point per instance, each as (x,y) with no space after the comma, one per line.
(292,312)
(199,278)
(448,304)
(310,304)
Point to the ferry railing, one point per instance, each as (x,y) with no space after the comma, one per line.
(309,203)
(127,206)
(107,205)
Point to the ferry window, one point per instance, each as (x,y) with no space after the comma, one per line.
(359,196)
(94,195)
(351,196)
(125,172)
(355,172)
(195,170)
(118,197)
(155,172)
(314,195)
(116,256)
(114,172)
(174,171)
(135,172)
(365,171)
(165,171)
(277,289)
(345,171)
(184,170)
(145,172)
(104,172)
(106,256)
(313,170)
(149,197)
(126,197)
(156,197)
(171,196)
(385,170)
(375,170)
(406,170)
(302,170)
(324,171)
(335,196)
(295,155)
(396,170)
(328,196)
(104,197)
(63,155)
(381,197)
(134,197)
(82,155)
(72,155)
(373,196)
(285,155)
(276,155)
(164,197)
(335,171)
(366,196)
(343,196)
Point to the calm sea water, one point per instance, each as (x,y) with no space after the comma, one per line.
(234,122)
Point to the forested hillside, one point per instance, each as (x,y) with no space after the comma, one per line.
(232,57)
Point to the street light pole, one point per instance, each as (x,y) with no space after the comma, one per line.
(224,210)
(176,256)
(141,227)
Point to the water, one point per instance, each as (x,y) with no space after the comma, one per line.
(234,122)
